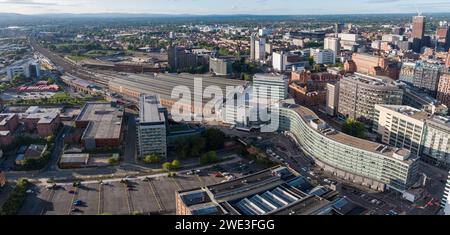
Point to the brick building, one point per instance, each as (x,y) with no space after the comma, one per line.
(443,93)
(9,122)
(376,65)
(102,125)
(310,88)
(46,124)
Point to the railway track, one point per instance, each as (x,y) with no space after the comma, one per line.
(67,66)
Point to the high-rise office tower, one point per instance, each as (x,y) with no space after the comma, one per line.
(252,46)
(418,27)
(260,49)
(418,32)
(152,127)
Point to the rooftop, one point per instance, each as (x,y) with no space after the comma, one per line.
(74,158)
(272,191)
(5,118)
(270,76)
(340,137)
(105,122)
(363,79)
(407,111)
(443,122)
(44,118)
(163,84)
(150,109)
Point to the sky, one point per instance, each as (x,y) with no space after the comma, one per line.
(206,7)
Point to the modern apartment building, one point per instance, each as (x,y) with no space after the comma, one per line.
(358,95)
(270,86)
(436,141)
(371,164)
(152,127)
(400,126)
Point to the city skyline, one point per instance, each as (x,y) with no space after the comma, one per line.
(210,7)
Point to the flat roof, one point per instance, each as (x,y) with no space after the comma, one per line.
(75,158)
(5,118)
(270,76)
(44,118)
(150,109)
(105,121)
(163,84)
(407,111)
(304,206)
(368,80)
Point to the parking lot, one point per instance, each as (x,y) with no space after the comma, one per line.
(137,196)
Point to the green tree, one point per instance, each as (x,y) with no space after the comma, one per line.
(215,139)
(354,128)
(167,166)
(151,159)
(209,157)
(175,165)
(16,199)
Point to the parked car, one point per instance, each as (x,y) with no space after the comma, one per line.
(75,210)
(29,191)
(77,203)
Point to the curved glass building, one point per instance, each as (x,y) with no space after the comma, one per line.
(364,162)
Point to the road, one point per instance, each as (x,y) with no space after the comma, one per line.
(130,140)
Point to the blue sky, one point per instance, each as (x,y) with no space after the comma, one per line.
(296,7)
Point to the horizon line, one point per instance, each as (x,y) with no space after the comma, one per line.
(218,14)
